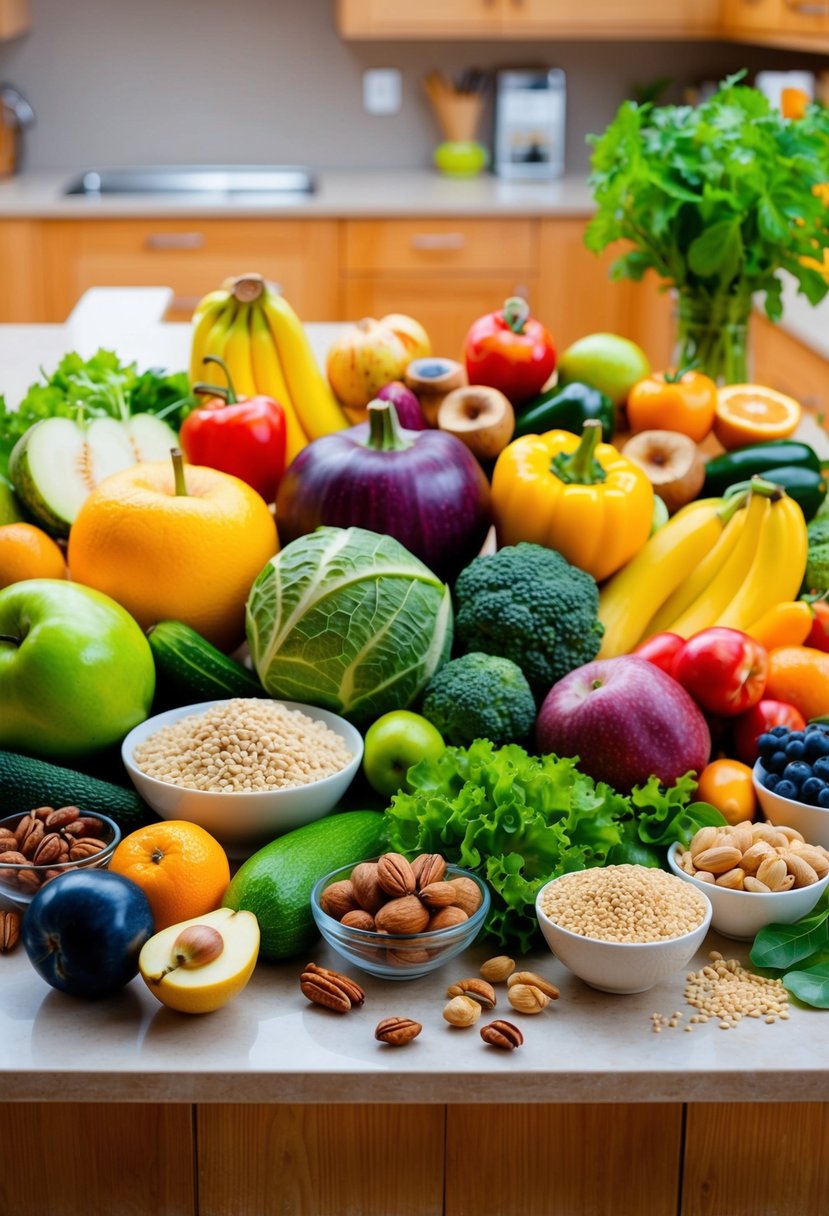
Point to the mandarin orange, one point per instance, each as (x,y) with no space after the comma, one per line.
(27,552)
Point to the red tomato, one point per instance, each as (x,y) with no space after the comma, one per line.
(661,649)
(510,351)
(756,721)
(818,637)
(724,670)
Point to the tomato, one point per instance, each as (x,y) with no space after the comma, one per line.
(510,351)
(728,786)
(683,401)
(724,670)
(818,636)
(747,727)
(661,649)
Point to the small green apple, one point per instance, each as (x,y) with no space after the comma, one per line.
(76,672)
(460,157)
(10,510)
(393,744)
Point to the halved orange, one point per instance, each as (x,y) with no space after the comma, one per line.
(753,413)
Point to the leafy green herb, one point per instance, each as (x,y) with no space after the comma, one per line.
(99,386)
(779,947)
(810,986)
(520,820)
(717,199)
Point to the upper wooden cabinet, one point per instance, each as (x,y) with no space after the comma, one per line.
(799,24)
(525,18)
(746,15)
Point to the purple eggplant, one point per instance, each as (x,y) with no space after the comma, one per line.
(409,413)
(424,488)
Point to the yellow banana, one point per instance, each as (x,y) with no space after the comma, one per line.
(628,601)
(204,317)
(719,593)
(778,567)
(698,578)
(314,402)
(268,377)
(237,357)
(215,340)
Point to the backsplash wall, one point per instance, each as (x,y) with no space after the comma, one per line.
(142,81)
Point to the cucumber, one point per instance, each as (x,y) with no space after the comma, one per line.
(754,459)
(56,464)
(804,485)
(190,669)
(276,883)
(26,783)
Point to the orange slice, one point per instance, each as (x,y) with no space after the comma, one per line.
(752,413)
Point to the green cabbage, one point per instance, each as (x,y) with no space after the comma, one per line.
(348,620)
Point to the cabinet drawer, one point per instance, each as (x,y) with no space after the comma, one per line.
(433,246)
(739,15)
(806,16)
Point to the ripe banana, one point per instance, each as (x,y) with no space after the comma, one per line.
(777,570)
(237,355)
(315,403)
(214,340)
(268,377)
(204,317)
(719,593)
(629,600)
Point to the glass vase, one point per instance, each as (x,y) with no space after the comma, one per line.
(712,336)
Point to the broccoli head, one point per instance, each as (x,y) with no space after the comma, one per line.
(480,696)
(816,577)
(529,604)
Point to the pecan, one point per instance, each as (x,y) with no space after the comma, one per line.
(8,843)
(62,816)
(405,915)
(85,847)
(24,827)
(479,990)
(12,858)
(397,1031)
(9,930)
(50,850)
(502,1034)
(338,898)
(395,875)
(428,868)
(367,890)
(28,880)
(437,894)
(32,839)
(42,812)
(329,988)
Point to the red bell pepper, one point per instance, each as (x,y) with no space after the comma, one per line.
(511,351)
(245,437)
(818,636)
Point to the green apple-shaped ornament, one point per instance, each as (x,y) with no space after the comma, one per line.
(76,671)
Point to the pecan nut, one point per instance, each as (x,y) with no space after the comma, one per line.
(397,1032)
(480,991)
(428,868)
(502,1034)
(32,839)
(24,829)
(324,987)
(12,858)
(395,875)
(50,850)
(9,930)
(87,846)
(62,816)
(28,880)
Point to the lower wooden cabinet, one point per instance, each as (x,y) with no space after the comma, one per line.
(780,361)
(22,274)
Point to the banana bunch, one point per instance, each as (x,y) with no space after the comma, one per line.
(266,351)
(716,562)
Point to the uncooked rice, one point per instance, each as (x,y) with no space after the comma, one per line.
(243,744)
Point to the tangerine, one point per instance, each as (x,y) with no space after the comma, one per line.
(728,786)
(27,552)
(753,413)
(181,868)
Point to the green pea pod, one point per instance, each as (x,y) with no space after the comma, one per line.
(804,485)
(567,409)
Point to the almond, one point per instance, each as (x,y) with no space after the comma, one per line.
(719,859)
(438,894)
(467,894)
(337,899)
(428,868)
(367,890)
(447,918)
(404,915)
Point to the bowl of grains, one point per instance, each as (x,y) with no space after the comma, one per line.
(622,928)
(246,769)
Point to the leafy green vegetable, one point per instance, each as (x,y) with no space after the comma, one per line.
(520,820)
(717,199)
(779,947)
(810,986)
(97,387)
(350,620)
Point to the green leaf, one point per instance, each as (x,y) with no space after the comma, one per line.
(810,986)
(778,946)
(716,251)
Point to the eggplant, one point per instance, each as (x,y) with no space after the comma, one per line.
(424,488)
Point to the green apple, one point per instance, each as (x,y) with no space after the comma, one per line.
(460,158)
(76,672)
(393,744)
(10,510)
(201,964)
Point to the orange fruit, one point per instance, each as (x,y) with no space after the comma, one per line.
(27,552)
(727,785)
(181,868)
(799,675)
(752,413)
(793,102)
(165,555)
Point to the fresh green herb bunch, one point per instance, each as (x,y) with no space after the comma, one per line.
(717,198)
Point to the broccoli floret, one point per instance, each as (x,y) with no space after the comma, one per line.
(816,577)
(480,696)
(528,604)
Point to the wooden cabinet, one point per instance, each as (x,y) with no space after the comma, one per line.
(805,17)
(424,19)
(779,360)
(191,256)
(747,15)
(799,24)
(21,272)
(15,18)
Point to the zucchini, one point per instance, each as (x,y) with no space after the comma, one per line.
(805,486)
(756,459)
(26,783)
(190,669)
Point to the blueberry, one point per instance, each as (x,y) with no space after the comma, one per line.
(797,772)
(796,749)
(799,735)
(820,768)
(823,727)
(817,744)
(772,780)
(776,762)
(786,789)
(779,731)
(810,790)
(823,797)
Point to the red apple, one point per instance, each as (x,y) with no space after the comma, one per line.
(724,670)
(756,721)
(661,649)
(626,720)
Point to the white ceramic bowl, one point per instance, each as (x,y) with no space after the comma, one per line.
(811,821)
(742,914)
(620,967)
(249,818)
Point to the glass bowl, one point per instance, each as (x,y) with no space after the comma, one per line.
(402,956)
(21,882)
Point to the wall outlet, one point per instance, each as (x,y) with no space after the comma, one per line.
(382,91)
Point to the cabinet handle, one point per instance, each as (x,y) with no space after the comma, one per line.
(174,240)
(808,8)
(438,240)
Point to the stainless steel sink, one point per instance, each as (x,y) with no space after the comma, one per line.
(262,182)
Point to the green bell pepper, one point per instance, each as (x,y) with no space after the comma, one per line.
(566,409)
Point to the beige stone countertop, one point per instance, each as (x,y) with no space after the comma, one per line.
(271,1045)
(338,195)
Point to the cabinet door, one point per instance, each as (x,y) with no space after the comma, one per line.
(609,17)
(192,257)
(419,19)
(748,15)
(21,272)
(805,16)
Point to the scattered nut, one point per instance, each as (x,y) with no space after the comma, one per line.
(526,998)
(397,1032)
(480,990)
(461,1011)
(331,989)
(502,1034)
(536,981)
(497,969)
(9,930)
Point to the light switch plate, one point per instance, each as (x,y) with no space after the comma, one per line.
(382,91)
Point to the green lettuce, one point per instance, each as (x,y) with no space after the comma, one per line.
(519,820)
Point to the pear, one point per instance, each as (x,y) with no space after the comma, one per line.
(200,964)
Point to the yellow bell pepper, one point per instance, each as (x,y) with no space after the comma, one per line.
(785,624)
(576,495)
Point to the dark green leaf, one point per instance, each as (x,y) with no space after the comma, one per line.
(810,986)
(779,946)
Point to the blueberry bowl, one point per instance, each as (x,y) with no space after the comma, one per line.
(811,821)
(791,778)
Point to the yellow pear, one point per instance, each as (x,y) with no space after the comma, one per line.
(200,964)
